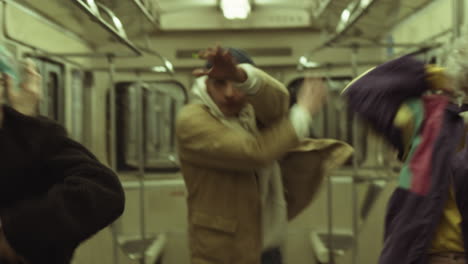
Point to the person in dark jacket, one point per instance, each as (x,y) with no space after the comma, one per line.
(416,108)
(54,193)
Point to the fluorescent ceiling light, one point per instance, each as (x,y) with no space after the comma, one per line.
(159,69)
(312,64)
(308,64)
(235,9)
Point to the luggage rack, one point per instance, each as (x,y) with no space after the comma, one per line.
(147,8)
(109,25)
(112,26)
(94,9)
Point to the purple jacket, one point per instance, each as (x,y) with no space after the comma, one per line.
(416,206)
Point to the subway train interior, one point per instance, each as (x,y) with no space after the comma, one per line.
(115,74)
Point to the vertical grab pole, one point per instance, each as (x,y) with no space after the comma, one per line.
(331,255)
(112,144)
(355,167)
(458,17)
(113,121)
(141,163)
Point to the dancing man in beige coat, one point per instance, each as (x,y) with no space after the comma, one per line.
(246,159)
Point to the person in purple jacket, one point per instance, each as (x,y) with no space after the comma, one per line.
(419,109)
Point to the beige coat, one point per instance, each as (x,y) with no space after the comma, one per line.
(218,165)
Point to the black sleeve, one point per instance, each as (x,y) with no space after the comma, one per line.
(85,196)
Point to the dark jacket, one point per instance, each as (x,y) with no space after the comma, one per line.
(416,206)
(54,193)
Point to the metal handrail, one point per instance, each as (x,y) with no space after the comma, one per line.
(91,8)
(146,12)
(167,64)
(360,11)
(116,23)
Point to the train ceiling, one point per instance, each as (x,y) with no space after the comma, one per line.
(152,17)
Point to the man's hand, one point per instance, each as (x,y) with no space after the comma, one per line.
(224,66)
(312,95)
(27,99)
(7,252)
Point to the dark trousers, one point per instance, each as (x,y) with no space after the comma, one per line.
(272,256)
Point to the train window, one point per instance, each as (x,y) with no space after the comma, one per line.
(52,104)
(52,93)
(77,105)
(88,83)
(160,103)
